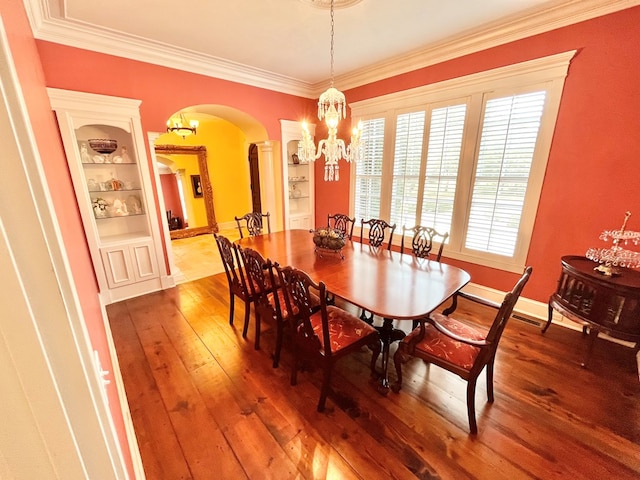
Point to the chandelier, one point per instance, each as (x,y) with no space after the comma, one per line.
(180,126)
(331,106)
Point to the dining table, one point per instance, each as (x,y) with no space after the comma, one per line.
(390,284)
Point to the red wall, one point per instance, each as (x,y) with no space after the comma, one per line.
(591,177)
(593,173)
(171,195)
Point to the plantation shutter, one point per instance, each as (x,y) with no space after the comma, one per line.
(406,168)
(368,180)
(443,160)
(509,135)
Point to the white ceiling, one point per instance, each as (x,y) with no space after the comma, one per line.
(285,44)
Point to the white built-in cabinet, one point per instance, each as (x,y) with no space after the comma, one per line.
(298,179)
(113,191)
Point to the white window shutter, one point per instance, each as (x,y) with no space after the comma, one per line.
(368,180)
(509,135)
(406,168)
(443,160)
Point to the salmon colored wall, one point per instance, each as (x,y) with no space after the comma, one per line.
(171,195)
(163,90)
(47,137)
(593,173)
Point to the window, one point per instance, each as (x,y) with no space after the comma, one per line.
(369,171)
(465,156)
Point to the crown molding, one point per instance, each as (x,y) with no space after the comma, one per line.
(560,14)
(47,24)
(48,27)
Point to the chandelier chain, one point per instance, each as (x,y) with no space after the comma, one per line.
(332,25)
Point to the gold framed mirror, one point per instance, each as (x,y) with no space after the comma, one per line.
(196,188)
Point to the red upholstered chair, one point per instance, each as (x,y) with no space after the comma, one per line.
(322,335)
(261,286)
(236,279)
(254,223)
(460,347)
(342,223)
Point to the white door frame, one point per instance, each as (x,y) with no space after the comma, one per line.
(55,418)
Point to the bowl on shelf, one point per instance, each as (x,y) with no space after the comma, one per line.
(103,145)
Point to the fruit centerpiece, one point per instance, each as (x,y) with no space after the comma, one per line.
(328,240)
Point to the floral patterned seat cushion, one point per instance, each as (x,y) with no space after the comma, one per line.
(441,346)
(344,328)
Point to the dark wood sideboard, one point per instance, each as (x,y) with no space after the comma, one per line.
(600,303)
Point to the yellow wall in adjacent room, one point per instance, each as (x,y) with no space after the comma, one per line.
(227,162)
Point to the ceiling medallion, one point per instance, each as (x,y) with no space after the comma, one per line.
(326,4)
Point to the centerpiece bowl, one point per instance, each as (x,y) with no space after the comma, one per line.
(328,240)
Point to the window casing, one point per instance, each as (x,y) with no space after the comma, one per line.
(466,156)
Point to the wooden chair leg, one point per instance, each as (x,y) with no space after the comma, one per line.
(276,353)
(490,381)
(232,305)
(549,319)
(325,387)
(247,313)
(471,405)
(258,322)
(294,367)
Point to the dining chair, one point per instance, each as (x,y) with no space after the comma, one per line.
(422,241)
(321,334)
(254,223)
(261,286)
(377,231)
(460,346)
(236,279)
(342,223)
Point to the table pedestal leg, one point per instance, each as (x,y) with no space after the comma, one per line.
(388,335)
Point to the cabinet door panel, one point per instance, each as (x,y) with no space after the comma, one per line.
(117,266)
(144,261)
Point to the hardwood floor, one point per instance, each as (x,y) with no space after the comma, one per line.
(206,405)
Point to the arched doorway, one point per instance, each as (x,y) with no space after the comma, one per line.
(236,145)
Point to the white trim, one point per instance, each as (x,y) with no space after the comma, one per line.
(174,275)
(48,23)
(50,332)
(546,73)
(540,20)
(124,404)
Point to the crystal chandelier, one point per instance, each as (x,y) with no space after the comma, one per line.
(180,126)
(331,106)
(616,256)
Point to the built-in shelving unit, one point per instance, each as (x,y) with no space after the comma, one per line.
(298,177)
(113,190)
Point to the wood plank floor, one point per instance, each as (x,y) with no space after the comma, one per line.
(206,405)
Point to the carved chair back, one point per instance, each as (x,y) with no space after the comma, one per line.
(254,223)
(341,222)
(377,231)
(422,241)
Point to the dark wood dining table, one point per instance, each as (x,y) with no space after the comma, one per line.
(384,282)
